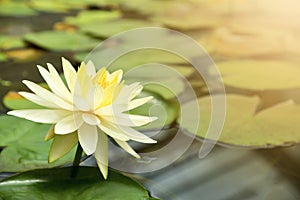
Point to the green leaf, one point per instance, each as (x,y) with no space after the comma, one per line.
(260,75)
(15,8)
(2,57)
(25,147)
(55,184)
(106,29)
(146,56)
(49,6)
(165,110)
(14,101)
(62,41)
(275,126)
(92,16)
(10,42)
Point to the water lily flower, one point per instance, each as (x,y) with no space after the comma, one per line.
(87,109)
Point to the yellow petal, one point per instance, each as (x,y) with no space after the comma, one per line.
(101,153)
(69,73)
(61,145)
(50,133)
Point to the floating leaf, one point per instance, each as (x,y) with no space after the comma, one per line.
(25,147)
(92,16)
(147,7)
(15,8)
(146,56)
(62,41)
(57,184)
(275,126)
(260,75)
(23,54)
(2,57)
(231,44)
(106,29)
(14,101)
(49,6)
(10,42)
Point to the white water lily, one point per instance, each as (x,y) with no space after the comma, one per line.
(88,108)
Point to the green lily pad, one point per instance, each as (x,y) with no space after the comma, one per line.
(57,184)
(148,7)
(92,16)
(49,6)
(145,56)
(14,101)
(62,41)
(24,145)
(106,29)
(10,42)
(274,126)
(260,75)
(2,57)
(165,110)
(15,8)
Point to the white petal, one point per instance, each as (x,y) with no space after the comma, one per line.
(128,120)
(90,68)
(88,136)
(54,82)
(47,95)
(61,87)
(41,115)
(127,148)
(113,131)
(80,103)
(69,124)
(69,73)
(128,92)
(138,102)
(135,135)
(90,119)
(101,153)
(84,80)
(38,100)
(98,97)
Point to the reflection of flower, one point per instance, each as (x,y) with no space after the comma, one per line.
(92,106)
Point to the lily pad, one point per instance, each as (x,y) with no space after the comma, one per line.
(15,8)
(24,145)
(260,75)
(227,44)
(57,184)
(145,56)
(92,16)
(10,42)
(14,101)
(2,57)
(106,29)
(49,6)
(274,126)
(62,41)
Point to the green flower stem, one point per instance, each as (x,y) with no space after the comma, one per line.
(76,161)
